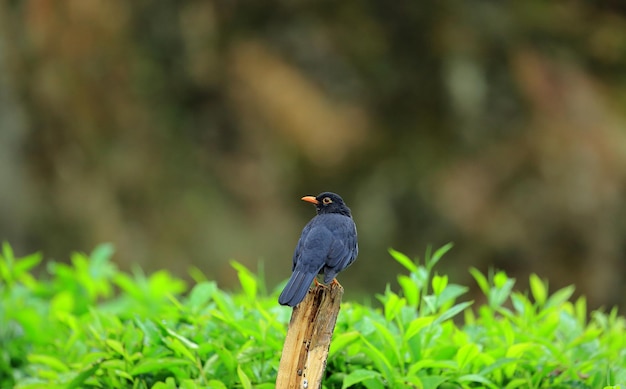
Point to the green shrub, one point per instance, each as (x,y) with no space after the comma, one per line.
(88,325)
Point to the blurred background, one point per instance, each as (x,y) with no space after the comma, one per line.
(185,133)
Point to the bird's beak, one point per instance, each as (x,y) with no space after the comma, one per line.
(310,199)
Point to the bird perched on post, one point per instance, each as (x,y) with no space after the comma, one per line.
(327,245)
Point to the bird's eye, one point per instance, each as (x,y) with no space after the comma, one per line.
(326,200)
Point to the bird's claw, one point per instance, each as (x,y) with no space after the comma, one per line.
(326,286)
(335,284)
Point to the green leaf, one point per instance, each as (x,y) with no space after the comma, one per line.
(267,385)
(227,359)
(188,343)
(215,384)
(117,347)
(247,279)
(410,289)
(589,335)
(410,381)
(451,292)
(560,296)
(188,384)
(226,307)
(25,264)
(522,305)
(202,293)
(500,279)
(161,284)
(243,378)
(393,304)
(580,310)
(518,383)
(357,376)
(63,302)
(538,289)
(437,255)
(403,260)
(433,364)
(429,305)
(113,364)
(151,332)
(175,344)
(341,341)
(85,374)
(466,354)
(7,252)
(128,285)
(390,342)
(450,313)
(496,365)
(439,283)
(433,381)
(416,326)
(102,253)
(5,273)
(502,290)
(481,280)
(517,350)
(154,365)
(6,264)
(477,378)
(170,383)
(123,374)
(49,361)
(379,359)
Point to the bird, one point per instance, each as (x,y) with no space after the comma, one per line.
(328,244)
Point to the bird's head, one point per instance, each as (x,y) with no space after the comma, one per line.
(328,202)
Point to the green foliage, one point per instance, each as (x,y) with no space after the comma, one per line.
(88,325)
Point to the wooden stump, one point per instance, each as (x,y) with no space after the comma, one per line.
(311,327)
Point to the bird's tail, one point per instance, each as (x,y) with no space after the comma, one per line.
(296,288)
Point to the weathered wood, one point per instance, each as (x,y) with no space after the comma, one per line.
(311,327)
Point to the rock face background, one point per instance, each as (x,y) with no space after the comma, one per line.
(186,131)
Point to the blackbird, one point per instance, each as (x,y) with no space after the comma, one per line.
(327,245)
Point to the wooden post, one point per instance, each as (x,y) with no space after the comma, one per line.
(311,327)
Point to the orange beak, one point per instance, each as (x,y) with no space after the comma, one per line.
(310,199)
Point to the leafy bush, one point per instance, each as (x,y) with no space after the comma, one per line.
(90,325)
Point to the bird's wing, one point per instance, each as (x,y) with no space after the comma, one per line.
(328,241)
(296,288)
(343,249)
(308,259)
(297,253)
(313,247)
(298,250)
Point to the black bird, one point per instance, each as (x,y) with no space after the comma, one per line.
(328,245)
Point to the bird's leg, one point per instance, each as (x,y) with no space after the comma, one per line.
(319,284)
(334,282)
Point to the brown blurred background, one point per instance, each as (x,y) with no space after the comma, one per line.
(185,132)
